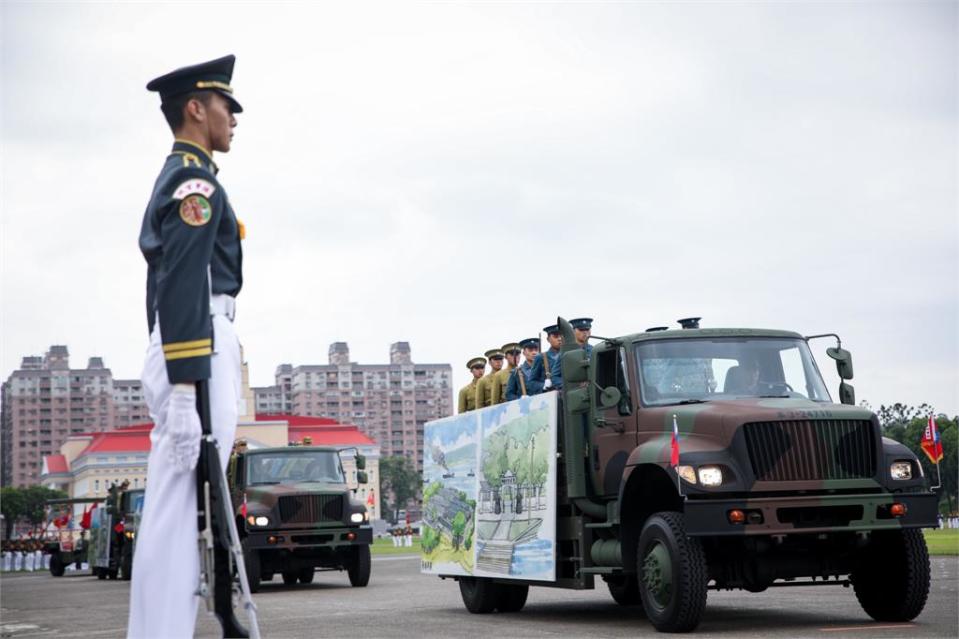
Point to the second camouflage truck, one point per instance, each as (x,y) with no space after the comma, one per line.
(296,514)
(673,462)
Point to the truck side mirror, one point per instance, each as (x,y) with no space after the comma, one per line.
(610,397)
(360,462)
(575,365)
(843,362)
(362,477)
(847,395)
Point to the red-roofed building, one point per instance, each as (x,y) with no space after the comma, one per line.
(89,463)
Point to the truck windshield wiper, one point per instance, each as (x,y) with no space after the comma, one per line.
(776,396)
(265,483)
(687,401)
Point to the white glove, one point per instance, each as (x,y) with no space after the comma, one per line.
(183,428)
(548,384)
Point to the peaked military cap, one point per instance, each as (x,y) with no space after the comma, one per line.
(214,75)
(511,347)
(530,342)
(552,328)
(476,361)
(582,323)
(493,352)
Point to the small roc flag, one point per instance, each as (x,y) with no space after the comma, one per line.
(370,500)
(674,445)
(931,443)
(243,507)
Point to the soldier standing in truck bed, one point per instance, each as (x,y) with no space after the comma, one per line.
(582,329)
(484,387)
(501,377)
(546,373)
(518,384)
(467,395)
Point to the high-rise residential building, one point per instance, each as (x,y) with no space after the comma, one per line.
(45,402)
(389,402)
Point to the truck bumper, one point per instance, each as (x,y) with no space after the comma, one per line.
(316,538)
(804,515)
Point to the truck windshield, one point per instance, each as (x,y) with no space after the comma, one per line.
(674,371)
(287,468)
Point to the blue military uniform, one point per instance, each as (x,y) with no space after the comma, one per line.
(583,324)
(538,374)
(190,238)
(518,384)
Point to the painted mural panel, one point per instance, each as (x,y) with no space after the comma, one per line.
(489,492)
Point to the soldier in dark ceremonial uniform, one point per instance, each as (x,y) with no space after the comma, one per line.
(190,238)
(518,384)
(582,329)
(546,373)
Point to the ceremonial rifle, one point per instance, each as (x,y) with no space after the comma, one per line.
(219,542)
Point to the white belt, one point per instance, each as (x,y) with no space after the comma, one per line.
(223,305)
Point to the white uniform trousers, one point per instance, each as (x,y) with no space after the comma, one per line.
(166,564)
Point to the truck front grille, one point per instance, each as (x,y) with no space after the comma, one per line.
(811,450)
(308,509)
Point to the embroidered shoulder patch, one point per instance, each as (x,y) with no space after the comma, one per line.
(195,210)
(196,185)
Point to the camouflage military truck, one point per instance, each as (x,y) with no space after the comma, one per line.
(769,483)
(296,514)
(113,534)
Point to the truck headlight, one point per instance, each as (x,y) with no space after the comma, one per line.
(710,475)
(258,520)
(356,518)
(901,470)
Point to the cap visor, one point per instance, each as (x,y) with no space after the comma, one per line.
(234,105)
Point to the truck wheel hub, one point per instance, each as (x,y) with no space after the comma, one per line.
(657,574)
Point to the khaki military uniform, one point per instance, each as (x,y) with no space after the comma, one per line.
(484,390)
(500,380)
(467,397)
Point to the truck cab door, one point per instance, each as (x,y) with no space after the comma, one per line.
(614,432)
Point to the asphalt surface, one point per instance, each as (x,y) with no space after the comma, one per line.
(399,602)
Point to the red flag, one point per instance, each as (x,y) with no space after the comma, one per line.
(87,516)
(62,520)
(674,445)
(243,507)
(118,528)
(931,443)
(369,499)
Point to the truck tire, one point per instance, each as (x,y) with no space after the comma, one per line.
(112,573)
(891,577)
(624,589)
(101,573)
(289,578)
(251,561)
(306,575)
(480,595)
(359,571)
(56,565)
(672,574)
(511,598)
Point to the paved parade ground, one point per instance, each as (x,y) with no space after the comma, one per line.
(400,602)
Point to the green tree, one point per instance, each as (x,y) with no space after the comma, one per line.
(12,507)
(399,482)
(906,424)
(457,528)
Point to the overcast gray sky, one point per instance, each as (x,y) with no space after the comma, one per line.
(458,175)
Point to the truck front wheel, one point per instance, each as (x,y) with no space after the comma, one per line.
(359,571)
(672,574)
(251,561)
(891,577)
